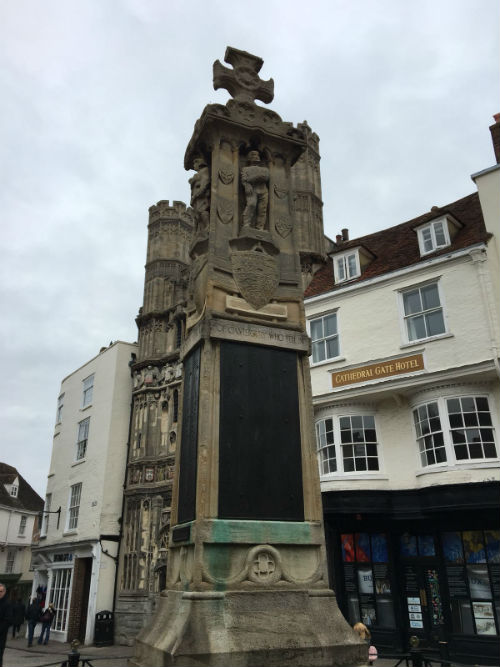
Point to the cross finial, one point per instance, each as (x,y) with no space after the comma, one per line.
(243,81)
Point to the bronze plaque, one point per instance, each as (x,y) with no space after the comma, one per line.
(381,370)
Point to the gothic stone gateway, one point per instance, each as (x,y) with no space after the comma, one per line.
(246,575)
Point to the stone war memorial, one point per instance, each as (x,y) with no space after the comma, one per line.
(247,583)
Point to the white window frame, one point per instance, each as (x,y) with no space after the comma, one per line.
(342,270)
(82,439)
(46,517)
(430,230)
(14,490)
(88,390)
(446,429)
(404,318)
(10,560)
(324,338)
(22,525)
(338,445)
(60,404)
(60,595)
(74,500)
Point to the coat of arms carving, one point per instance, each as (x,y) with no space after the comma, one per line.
(255,269)
(284,225)
(225,210)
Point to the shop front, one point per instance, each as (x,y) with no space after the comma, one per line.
(422,563)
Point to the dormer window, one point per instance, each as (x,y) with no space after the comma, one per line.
(346,266)
(433,236)
(14,491)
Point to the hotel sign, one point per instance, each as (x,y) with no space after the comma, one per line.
(379,371)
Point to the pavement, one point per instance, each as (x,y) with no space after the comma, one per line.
(17,654)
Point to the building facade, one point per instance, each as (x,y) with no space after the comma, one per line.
(405,376)
(157,380)
(75,563)
(20,506)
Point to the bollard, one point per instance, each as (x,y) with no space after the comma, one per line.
(74,656)
(415,655)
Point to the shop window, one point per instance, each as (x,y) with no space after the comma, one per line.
(473,572)
(59,596)
(347,444)
(366,578)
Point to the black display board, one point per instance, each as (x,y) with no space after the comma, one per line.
(189,440)
(260,467)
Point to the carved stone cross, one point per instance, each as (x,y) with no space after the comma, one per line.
(243,81)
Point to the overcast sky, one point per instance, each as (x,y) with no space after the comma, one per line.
(99,99)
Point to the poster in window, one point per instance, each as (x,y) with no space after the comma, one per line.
(365,580)
(479,582)
(416,624)
(379,548)
(408,545)
(347,542)
(435,597)
(493,545)
(382,586)
(362,547)
(426,545)
(482,609)
(473,546)
(452,547)
(368,616)
(415,616)
(483,615)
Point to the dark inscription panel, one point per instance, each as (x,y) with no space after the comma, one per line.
(189,439)
(260,467)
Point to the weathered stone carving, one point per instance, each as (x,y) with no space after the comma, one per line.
(284,225)
(255,179)
(255,269)
(280,192)
(225,210)
(226,175)
(200,196)
(243,81)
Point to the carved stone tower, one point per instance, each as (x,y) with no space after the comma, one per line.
(246,578)
(157,374)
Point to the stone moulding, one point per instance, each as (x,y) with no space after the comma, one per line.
(265,566)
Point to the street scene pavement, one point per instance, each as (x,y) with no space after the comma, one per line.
(17,654)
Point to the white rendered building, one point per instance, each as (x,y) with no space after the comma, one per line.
(20,506)
(405,374)
(75,564)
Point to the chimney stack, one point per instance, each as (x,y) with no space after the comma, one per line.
(338,239)
(345,234)
(495,135)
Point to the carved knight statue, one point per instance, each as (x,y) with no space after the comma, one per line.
(200,196)
(254,179)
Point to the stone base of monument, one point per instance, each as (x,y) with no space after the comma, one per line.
(249,629)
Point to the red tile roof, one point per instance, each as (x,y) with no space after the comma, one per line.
(397,247)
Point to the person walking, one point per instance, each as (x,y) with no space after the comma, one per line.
(33,614)
(46,620)
(18,613)
(5,619)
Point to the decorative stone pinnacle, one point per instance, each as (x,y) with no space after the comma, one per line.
(243,81)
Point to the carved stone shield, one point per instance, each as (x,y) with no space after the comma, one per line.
(284,225)
(256,274)
(226,175)
(225,210)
